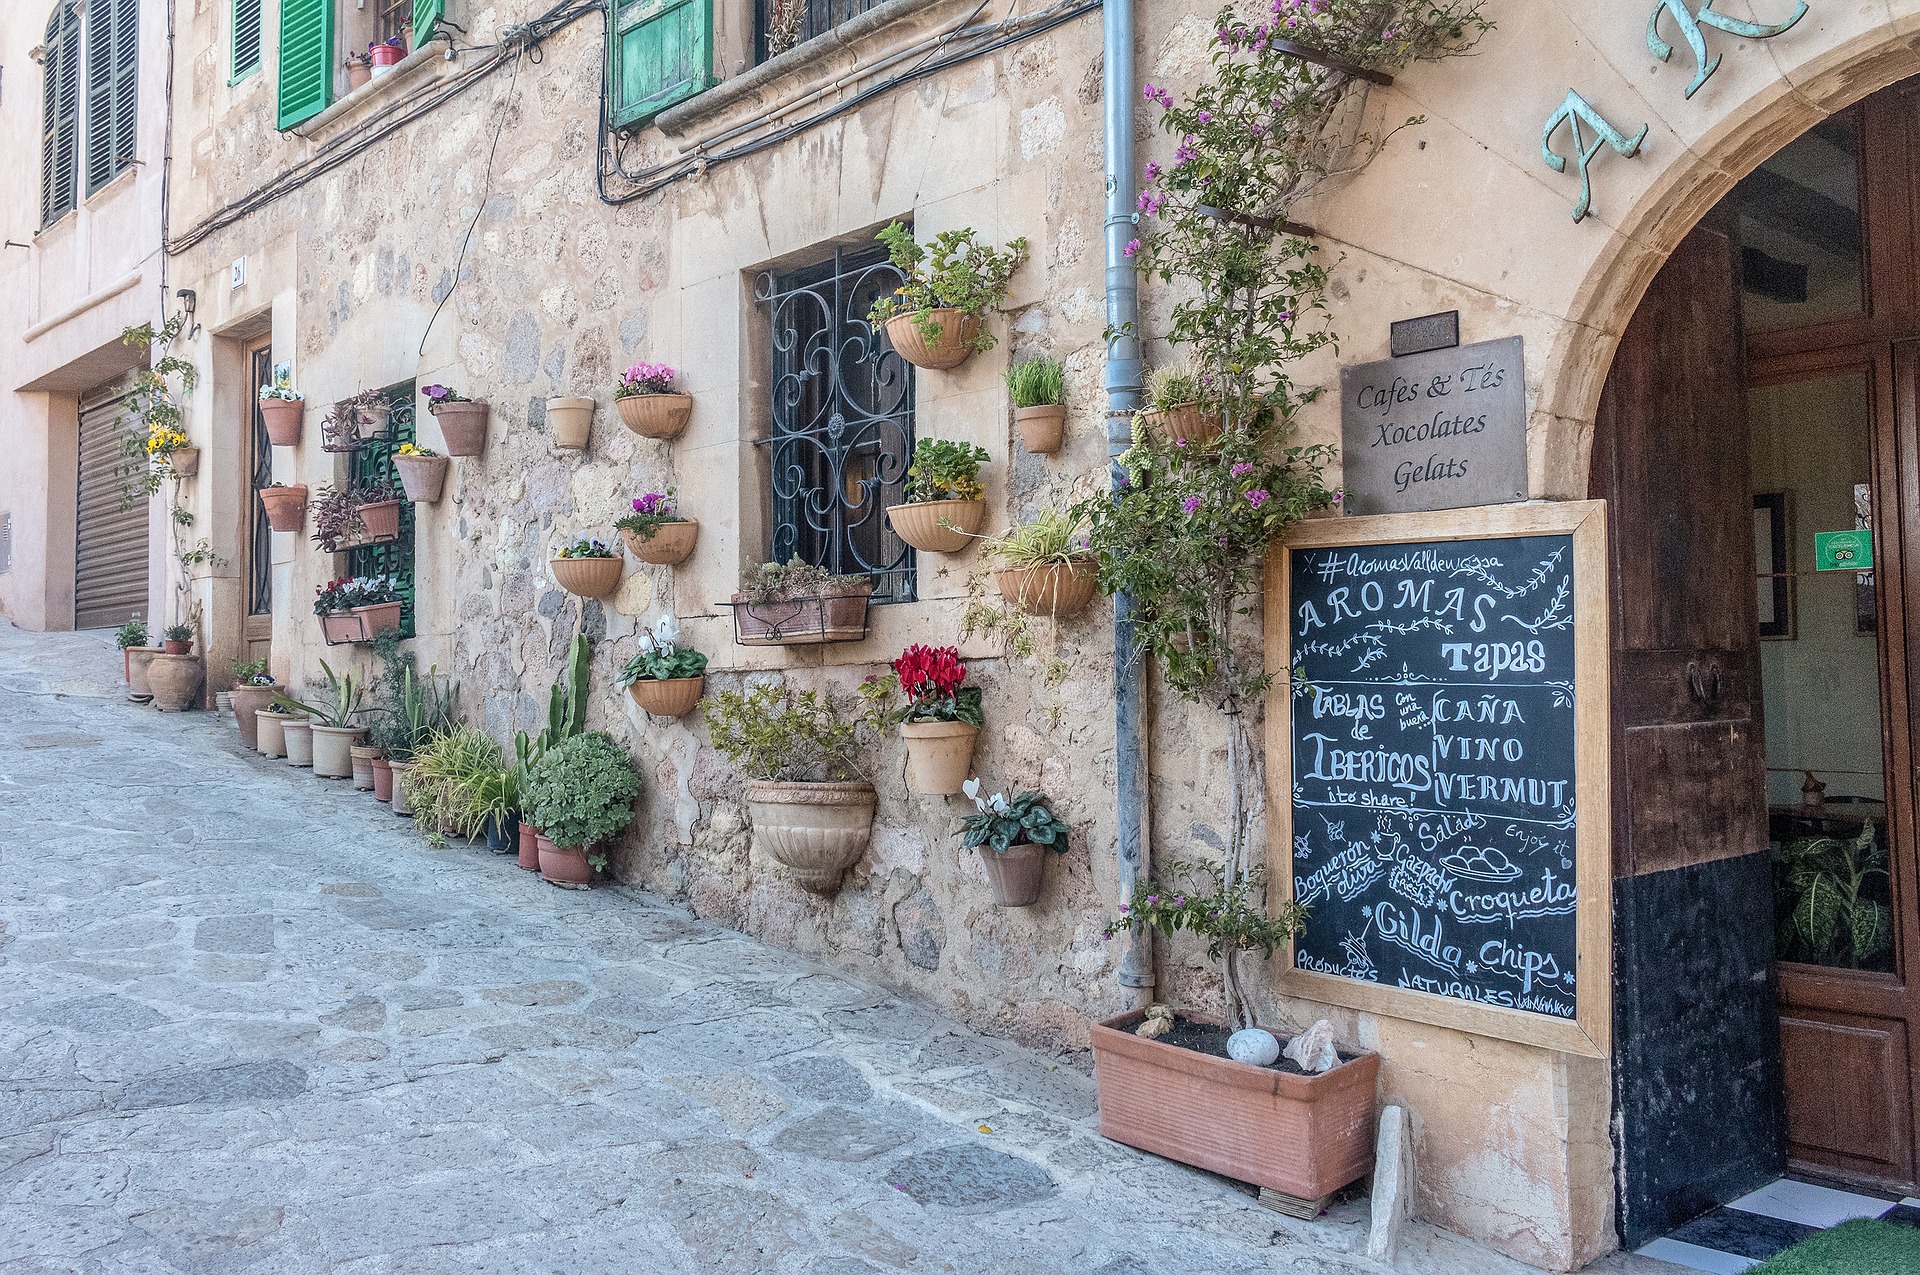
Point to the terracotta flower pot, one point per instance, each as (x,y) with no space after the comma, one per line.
(400,769)
(333,750)
(377,619)
(283,418)
(298,733)
(815,831)
(802,621)
(463,426)
(270,732)
(655,415)
(139,660)
(939,756)
(920,523)
(184,461)
(1015,874)
(171,647)
(564,865)
(529,847)
(380,522)
(954,346)
(667,697)
(1042,429)
(286,506)
(1185,424)
(373,421)
(359,74)
(586,577)
(1306,1136)
(669,544)
(1053,588)
(382,778)
(363,755)
(339,627)
(175,681)
(422,477)
(246,701)
(571,420)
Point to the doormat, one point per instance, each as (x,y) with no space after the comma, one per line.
(1864,1247)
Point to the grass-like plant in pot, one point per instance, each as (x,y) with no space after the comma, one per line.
(1013,838)
(811,805)
(423,710)
(656,531)
(935,318)
(1045,567)
(587,567)
(1038,386)
(1180,405)
(334,726)
(945,504)
(795,603)
(445,785)
(665,678)
(937,716)
(580,795)
(647,402)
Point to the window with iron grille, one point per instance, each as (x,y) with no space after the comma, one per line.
(113,88)
(60,115)
(391,18)
(373,466)
(779,25)
(260,537)
(842,411)
(244,54)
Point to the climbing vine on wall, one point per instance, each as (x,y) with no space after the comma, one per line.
(153,432)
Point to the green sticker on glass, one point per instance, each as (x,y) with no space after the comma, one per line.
(1843,550)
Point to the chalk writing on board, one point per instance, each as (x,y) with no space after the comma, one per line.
(1433,767)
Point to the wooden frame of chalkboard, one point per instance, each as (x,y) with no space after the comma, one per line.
(1494,1006)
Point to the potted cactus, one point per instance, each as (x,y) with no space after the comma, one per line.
(934,319)
(655,531)
(945,501)
(665,678)
(1013,838)
(939,719)
(648,404)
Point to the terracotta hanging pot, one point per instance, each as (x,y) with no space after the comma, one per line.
(463,426)
(246,701)
(1054,588)
(382,778)
(1014,874)
(815,831)
(283,418)
(139,660)
(669,696)
(377,619)
(920,523)
(564,865)
(571,421)
(422,477)
(269,732)
(953,347)
(298,733)
(669,544)
(379,522)
(1185,424)
(333,750)
(175,682)
(363,755)
(372,421)
(939,756)
(655,415)
(286,506)
(184,461)
(401,805)
(586,577)
(1042,429)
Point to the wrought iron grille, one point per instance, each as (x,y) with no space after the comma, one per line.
(373,465)
(260,538)
(778,25)
(842,421)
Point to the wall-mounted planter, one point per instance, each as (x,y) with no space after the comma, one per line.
(340,627)
(801,621)
(953,347)
(1055,589)
(184,461)
(298,732)
(815,831)
(373,420)
(571,420)
(422,477)
(669,545)
(175,681)
(1015,874)
(376,619)
(655,415)
(246,701)
(1042,429)
(586,577)
(463,426)
(668,696)
(939,756)
(286,506)
(283,418)
(379,522)
(1185,424)
(921,524)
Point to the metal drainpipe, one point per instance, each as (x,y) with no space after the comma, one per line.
(1123,395)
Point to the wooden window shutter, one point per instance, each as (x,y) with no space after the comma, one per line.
(306,60)
(60,116)
(245,52)
(425,14)
(661,52)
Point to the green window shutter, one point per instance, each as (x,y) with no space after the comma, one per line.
(425,14)
(306,60)
(660,52)
(245,52)
(113,88)
(60,116)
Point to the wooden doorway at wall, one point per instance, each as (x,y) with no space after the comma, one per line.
(255,537)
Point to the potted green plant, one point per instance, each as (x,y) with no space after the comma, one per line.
(812,811)
(566,718)
(1180,406)
(174,675)
(177,639)
(354,420)
(253,690)
(444,784)
(387,722)
(356,515)
(423,472)
(665,678)
(588,568)
(1039,389)
(463,421)
(424,711)
(496,799)
(334,731)
(333,603)
(283,409)
(286,505)
(580,795)
(945,501)
(1045,567)
(796,603)
(939,719)
(1013,838)
(128,637)
(656,532)
(648,404)
(934,319)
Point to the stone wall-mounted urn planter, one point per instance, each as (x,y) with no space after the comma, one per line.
(571,420)
(564,865)
(298,732)
(1042,429)
(655,415)
(184,461)
(667,696)
(586,577)
(463,426)
(422,477)
(938,526)
(1304,1135)
(953,347)
(283,418)
(939,756)
(246,701)
(175,682)
(270,732)
(139,660)
(815,831)
(1015,874)
(1054,588)
(670,544)
(286,506)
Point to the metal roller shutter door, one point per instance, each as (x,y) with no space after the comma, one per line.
(110,558)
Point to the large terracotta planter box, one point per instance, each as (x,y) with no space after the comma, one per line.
(1306,1136)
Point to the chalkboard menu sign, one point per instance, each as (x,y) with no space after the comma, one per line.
(1446,767)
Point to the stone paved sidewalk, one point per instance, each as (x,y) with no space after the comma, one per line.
(250,1022)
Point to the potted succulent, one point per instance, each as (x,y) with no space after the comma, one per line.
(1045,566)
(1039,389)
(174,675)
(282,409)
(442,783)
(359,70)
(570,418)
(377,605)
(421,712)
(945,501)
(1013,838)
(423,472)
(648,404)
(665,678)
(934,318)
(286,505)
(178,639)
(333,730)
(128,637)
(797,603)
(588,568)
(386,54)
(566,718)
(655,532)
(1178,406)
(939,720)
(333,603)
(580,795)
(463,421)
(812,812)
(1224,1098)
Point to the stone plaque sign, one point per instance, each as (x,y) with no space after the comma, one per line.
(1441,430)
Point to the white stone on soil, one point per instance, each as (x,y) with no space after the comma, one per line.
(1253,1045)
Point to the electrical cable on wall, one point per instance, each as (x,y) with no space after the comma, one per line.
(486,193)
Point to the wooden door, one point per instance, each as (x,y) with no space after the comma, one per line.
(256,537)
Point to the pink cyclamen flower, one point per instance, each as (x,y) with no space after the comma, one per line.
(1153,898)
(1133,246)
(1339,496)
(1190,504)
(1256,497)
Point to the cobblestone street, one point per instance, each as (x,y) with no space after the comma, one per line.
(249,1021)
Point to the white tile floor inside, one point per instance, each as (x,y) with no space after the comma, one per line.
(1741,1235)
